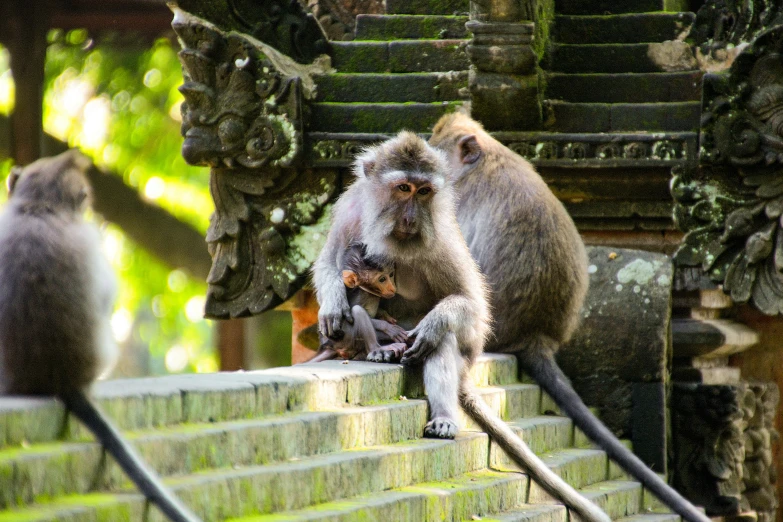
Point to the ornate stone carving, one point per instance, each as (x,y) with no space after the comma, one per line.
(709,448)
(731,205)
(759,475)
(719,23)
(327,149)
(283,24)
(242,116)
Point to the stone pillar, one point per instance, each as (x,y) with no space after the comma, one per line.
(504,74)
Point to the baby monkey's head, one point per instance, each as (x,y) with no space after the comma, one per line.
(372,274)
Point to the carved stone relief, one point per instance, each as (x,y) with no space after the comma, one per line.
(731,204)
(708,440)
(243,117)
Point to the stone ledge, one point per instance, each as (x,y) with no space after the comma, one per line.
(137,404)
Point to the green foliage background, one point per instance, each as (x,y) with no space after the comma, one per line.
(117,100)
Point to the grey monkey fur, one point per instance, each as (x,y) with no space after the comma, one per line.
(535,263)
(441,294)
(57,292)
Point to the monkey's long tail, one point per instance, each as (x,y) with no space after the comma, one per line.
(526,459)
(550,377)
(128,459)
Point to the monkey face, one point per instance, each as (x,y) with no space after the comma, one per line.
(383,284)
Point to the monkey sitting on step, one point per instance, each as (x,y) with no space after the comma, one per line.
(57,292)
(368,280)
(401,206)
(535,263)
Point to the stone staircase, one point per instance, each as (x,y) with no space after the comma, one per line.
(333,441)
(610,71)
(404,70)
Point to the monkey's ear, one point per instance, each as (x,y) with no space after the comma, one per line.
(13,177)
(350,279)
(367,167)
(469,149)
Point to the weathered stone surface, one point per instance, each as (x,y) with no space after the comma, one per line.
(378,117)
(623,342)
(382,87)
(618,117)
(427,7)
(625,87)
(400,56)
(472,494)
(532,513)
(542,434)
(620,58)
(578,467)
(606,7)
(25,419)
(622,28)
(617,498)
(386,27)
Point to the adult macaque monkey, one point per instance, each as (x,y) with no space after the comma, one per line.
(402,208)
(57,292)
(535,263)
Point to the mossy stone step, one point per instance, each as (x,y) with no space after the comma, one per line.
(625,87)
(137,404)
(401,56)
(607,7)
(542,434)
(52,469)
(418,27)
(651,517)
(620,499)
(57,469)
(385,87)
(470,495)
(244,491)
(614,58)
(623,28)
(378,117)
(620,117)
(428,7)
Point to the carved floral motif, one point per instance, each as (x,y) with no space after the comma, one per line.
(731,205)
(243,118)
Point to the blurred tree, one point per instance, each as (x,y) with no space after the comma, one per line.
(117,100)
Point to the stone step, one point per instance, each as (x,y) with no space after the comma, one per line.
(378,117)
(398,27)
(622,28)
(608,7)
(620,499)
(620,58)
(401,56)
(470,495)
(295,484)
(620,117)
(651,517)
(625,87)
(243,490)
(77,467)
(428,7)
(384,87)
(138,404)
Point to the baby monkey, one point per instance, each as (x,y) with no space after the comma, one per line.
(57,292)
(368,279)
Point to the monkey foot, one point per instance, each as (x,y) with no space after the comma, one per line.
(391,353)
(441,428)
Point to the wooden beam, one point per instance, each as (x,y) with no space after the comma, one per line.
(231,344)
(25,28)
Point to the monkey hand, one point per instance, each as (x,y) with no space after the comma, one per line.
(331,316)
(390,353)
(427,336)
(396,333)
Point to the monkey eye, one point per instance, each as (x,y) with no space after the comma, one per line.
(404,187)
(424,191)
(391,275)
(382,279)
